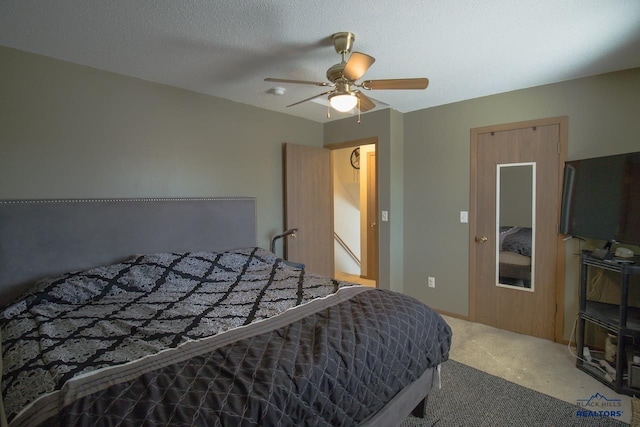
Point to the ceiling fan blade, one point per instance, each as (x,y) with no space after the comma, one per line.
(366,103)
(418,83)
(357,65)
(310,98)
(302,82)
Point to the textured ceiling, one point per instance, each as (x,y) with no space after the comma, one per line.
(225,48)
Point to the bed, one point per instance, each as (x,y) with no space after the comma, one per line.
(165,312)
(515,256)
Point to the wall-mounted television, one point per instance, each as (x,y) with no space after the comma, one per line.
(601,198)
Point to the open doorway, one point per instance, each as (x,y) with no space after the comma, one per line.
(355,213)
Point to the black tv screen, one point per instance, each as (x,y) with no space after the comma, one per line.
(601,198)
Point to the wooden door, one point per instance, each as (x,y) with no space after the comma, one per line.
(372,219)
(309,207)
(530,312)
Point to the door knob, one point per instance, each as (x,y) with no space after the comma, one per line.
(481,239)
(373,224)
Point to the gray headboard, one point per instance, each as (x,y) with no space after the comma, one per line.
(39,238)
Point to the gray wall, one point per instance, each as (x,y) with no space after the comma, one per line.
(69,131)
(603,119)
(516,194)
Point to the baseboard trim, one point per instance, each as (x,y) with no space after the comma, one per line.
(450,314)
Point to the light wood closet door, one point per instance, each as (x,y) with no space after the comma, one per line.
(523,311)
(309,207)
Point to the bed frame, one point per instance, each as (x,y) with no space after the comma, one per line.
(40,238)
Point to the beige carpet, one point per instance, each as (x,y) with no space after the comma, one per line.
(534,363)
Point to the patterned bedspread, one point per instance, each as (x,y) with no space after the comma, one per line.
(231,338)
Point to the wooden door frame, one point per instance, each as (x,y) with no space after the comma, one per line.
(563,123)
(373,140)
(372,238)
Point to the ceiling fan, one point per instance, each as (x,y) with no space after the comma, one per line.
(343,76)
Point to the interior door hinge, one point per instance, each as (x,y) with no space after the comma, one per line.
(558,147)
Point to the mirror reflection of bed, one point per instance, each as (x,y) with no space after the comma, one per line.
(515,256)
(515,212)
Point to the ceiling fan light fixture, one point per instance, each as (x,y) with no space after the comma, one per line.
(343,102)
(343,79)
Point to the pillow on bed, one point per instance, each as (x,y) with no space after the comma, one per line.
(80,290)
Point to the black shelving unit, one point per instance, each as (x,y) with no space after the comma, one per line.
(619,319)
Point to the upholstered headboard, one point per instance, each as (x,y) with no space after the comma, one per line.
(39,238)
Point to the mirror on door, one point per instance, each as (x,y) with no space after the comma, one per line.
(515,228)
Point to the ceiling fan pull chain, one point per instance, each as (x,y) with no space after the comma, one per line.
(328,111)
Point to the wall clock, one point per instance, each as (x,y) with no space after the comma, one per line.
(355,158)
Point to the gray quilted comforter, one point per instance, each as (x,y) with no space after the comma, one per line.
(230,338)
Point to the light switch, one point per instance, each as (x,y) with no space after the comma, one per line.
(385,216)
(464,216)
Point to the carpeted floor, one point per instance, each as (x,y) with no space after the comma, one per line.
(470,397)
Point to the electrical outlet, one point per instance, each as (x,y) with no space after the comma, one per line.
(431,282)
